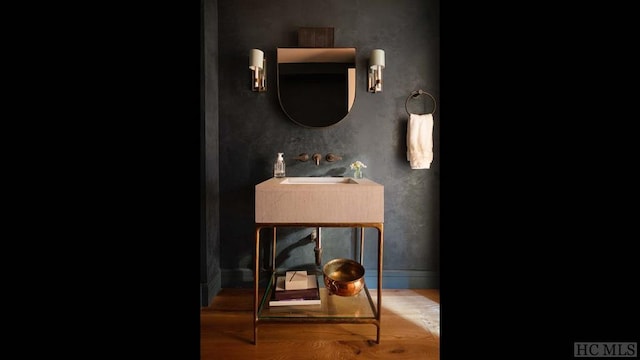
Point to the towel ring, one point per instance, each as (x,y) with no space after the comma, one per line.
(415,94)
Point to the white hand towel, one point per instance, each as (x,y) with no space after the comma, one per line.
(420,141)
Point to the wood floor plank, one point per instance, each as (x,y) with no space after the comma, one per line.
(410,330)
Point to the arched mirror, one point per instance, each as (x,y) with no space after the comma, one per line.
(316,86)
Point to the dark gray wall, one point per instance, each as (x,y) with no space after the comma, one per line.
(253,128)
(210,274)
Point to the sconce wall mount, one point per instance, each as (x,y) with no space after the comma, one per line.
(258,66)
(376,64)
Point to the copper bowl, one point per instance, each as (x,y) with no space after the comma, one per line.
(344,277)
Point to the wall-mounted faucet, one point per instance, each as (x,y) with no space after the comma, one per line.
(316,158)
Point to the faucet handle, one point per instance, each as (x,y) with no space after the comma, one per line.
(316,158)
(333,157)
(302,157)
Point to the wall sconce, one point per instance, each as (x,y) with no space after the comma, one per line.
(258,66)
(376,64)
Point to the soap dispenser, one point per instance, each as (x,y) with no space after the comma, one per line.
(278,166)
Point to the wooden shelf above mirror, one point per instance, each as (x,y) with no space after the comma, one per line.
(315,37)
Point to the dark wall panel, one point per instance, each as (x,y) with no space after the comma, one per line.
(211,276)
(253,127)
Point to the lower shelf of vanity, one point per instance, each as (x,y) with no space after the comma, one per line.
(332,308)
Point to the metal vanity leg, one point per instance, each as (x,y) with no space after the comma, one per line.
(362,246)
(273,251)
(380,248)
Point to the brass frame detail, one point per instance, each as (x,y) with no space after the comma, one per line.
(376,309)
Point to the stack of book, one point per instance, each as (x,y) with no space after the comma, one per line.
(303,289)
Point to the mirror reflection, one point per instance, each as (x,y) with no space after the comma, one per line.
(316,86)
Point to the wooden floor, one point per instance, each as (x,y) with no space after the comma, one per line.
(410,330)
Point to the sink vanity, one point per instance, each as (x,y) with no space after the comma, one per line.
(310,202)
(319,200)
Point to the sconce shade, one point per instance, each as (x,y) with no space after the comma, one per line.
(258,66)
(374,76)
(377,58)
(256,58)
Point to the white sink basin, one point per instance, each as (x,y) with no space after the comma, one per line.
(318,180)
(319,200)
